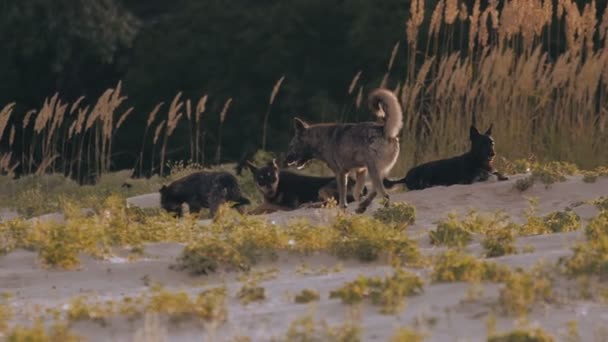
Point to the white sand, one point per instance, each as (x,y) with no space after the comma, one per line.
(456,319)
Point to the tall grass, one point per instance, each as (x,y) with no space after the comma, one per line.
(553,108)
(504,69)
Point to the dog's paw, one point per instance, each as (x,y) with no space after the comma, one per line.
(360,210)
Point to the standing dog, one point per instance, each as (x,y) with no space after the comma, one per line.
(284,190)
(473,166)
(367,148)
(202,190)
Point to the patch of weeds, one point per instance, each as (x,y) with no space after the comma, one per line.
(601,203)
(5,316)
(590,176)
(14,234)
(304,269)
(366,238)
(232,240)
(590,257)
(452,232)
(250,293)
(307,238)
(307,296)
(500,241)
(257,276)
(512,167)
(562,221)
(407,335)
(522,290)
(454,265)
(458,232)
(80,309)
(305,329)
(528,249)
(524,184)
(572,334)
(554,222)
(522,335)
(598,226)
(207,255)
(209,305)
(401,214)
(38,332)
(553,172)
(388,293)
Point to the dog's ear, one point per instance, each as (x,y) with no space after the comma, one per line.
(489,131)
(300,125)
(473,132)
(251,166)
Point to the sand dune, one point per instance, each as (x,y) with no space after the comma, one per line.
(455,318)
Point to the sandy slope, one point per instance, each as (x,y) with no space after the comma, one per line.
(455,318)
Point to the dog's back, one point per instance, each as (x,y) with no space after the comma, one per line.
(473,166)
(202,190)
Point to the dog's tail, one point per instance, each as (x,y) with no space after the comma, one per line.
(391,183)
(390,105)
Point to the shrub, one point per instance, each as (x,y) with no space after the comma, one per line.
(454,265)
(522,335)
(305,329)
(406,335)
(38,333)
(598,226)
(522,290)
(500,241)
(307,296)
(251,293)
(388,293)
(590,176)
(553,172)
(562,221)
(365,238)
(400,214)
(524,184)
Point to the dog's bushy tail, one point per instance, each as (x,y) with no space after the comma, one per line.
(390,104)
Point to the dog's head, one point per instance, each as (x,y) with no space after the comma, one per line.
(482,146)
(168,203)
(266,178)
(300,152)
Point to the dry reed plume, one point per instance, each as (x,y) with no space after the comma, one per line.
(505,69)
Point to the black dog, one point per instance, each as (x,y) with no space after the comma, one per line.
(202,190)
(473,166)
(284,190)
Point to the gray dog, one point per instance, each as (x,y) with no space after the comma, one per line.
(367,148)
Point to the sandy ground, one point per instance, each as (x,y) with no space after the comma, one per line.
(453,317)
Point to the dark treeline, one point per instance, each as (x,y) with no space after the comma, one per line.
(222,48)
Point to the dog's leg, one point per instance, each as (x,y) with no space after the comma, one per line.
(376,178)
(366,202)
(342,180)
(360,183)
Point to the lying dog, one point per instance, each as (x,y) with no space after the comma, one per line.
(367,148)
(202,190)
(473,166)
(284,190)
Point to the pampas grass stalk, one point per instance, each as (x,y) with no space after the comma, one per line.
(275,91)
(172,120)
(200,109)
(218,153)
